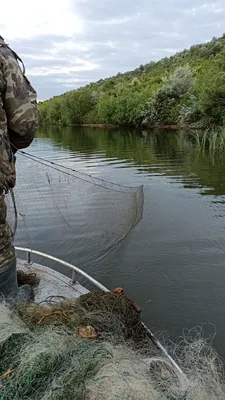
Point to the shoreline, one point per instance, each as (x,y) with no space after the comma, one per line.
(167,127)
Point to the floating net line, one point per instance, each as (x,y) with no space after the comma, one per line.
(65,207)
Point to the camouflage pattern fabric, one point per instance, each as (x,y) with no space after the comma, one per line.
(7,252)
(19,117)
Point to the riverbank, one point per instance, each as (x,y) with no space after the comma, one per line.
(183,90)
(117,126)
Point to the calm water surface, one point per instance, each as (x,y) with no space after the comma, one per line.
(173,261)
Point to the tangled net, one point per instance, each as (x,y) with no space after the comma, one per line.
(50,360)
(27,278)
(107,313)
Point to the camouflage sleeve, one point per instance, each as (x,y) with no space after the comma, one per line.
(20,103)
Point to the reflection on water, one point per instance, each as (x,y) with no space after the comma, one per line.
(170,154)
(172,262)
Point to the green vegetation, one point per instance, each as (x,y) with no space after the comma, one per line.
(187,89)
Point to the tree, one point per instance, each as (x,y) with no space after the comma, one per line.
(186,87)
(159,108)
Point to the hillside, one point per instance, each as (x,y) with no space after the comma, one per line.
(185,89)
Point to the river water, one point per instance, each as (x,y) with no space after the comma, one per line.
(172,263)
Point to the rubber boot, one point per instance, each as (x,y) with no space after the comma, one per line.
(8,280)
(9,286)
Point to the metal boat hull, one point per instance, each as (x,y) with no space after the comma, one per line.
(52,283)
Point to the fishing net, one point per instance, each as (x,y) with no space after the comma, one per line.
(105,312)
(60,205)
(54,361)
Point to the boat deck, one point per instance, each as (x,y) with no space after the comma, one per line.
(52,283)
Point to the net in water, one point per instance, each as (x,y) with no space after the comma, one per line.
(70,209)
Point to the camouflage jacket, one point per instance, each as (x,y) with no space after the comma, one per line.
(19,114)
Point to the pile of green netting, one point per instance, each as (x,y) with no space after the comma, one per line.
(94,348)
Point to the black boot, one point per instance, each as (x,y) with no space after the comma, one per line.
(8,280)
(9,286)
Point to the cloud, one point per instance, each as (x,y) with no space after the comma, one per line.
(76,66)
(66,44)
(28,19)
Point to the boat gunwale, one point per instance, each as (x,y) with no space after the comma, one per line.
(75,270)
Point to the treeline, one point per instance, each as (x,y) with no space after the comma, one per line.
(187,89)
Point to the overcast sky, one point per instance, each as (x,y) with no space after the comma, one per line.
(66,44)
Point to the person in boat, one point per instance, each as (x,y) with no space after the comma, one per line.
(19,117)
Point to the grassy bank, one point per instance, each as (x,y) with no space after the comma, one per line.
(187,89)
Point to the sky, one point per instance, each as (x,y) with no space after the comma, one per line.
(68,43)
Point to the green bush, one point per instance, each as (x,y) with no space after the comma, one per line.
(187,88)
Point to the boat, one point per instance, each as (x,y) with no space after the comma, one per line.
(56,284)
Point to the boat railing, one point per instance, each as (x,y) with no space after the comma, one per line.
(75,270)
